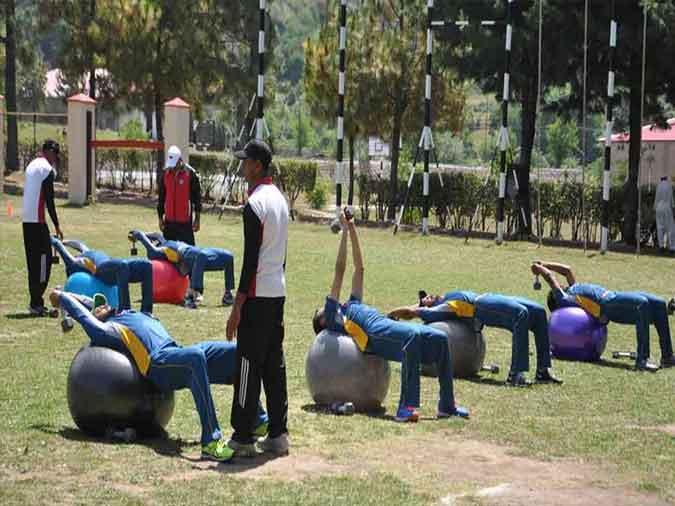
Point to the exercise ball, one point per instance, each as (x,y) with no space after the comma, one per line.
(83,283)
(337,371)
(576,335)
(467,349)
(106,391)
(168,286)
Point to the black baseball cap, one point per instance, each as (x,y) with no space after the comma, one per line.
(51,145)
(256,150)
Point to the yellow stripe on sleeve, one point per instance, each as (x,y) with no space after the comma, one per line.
(171,255)
(590,306)
(358,334)
(136,348)
(462,309)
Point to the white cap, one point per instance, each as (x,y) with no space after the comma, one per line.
(172,156)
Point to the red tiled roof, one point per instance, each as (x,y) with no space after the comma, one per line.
(650,133)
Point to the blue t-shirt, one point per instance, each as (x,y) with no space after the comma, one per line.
(453,305)
(587,296)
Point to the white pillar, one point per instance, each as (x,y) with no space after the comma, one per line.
(2,144)
(177,126)
(78,106)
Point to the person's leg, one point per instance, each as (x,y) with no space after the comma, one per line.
(274,369)
(659,314)
(662,228)
(435,349)
(197,274)
(220,260)
(116,272)
(252,345)
(221,361)
(38,249)
(185,233)
(504,312)
(632,308)
(170,231)
(174,368)
(140,271)
(538,324)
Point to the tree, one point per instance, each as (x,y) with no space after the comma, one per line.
(9,40)
(385,77)
(562,139)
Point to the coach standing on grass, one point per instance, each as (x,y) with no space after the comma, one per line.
(257,316)
(180,200)
(38,192)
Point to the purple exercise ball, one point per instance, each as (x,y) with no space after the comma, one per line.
(576,335)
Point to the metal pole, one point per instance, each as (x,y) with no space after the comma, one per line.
(504,133)
(604,220)
(339,164)
(540,73)
(584,132)
(259,123)
(427,138)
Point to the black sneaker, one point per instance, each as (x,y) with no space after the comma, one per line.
(42,312)
(668,361)
(646,365)
(228,299)
(517,379)
(545,376)
(189,302)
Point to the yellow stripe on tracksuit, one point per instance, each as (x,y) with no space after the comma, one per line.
(171,255)
(462,309)
(590,306)
(136,348)
(358,334)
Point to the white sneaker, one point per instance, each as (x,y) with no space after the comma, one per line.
(276,445)
(198,297)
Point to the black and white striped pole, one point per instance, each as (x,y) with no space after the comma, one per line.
(260,98)
(503,141)
(609,127)
(427,139)
(339,163)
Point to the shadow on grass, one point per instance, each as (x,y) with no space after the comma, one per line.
(323,409)
(615,365)
(163,445)
(24,316)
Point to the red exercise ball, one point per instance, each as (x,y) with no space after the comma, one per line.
(168,286)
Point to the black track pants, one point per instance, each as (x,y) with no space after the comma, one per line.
(260,358)
(38,260)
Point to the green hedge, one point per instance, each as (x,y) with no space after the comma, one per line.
(454,204)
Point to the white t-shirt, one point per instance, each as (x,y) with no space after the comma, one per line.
(269,205)
(33,193)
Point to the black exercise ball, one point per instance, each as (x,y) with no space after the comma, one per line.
(107,392)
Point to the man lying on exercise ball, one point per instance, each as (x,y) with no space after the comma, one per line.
(190,260)
(638,308)
(515,314)
(408,343)
(162,361)
(112,271)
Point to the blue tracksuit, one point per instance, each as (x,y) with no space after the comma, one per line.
(516,314)
(195,260)
(408,343)
(638,308)
(159,358)
(112,271)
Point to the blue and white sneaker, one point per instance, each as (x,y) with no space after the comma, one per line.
(406,414)
(458,411)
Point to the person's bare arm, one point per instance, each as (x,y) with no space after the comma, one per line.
(357,257)
(540,270)
(340,267)
(404,313)
(562,269)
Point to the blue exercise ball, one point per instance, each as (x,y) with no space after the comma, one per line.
(85,284)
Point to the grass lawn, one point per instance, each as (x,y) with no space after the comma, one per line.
(603,437)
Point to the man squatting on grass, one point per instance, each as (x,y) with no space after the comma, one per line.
(161,360)
(191,260)
(408,343)
(638,308)
(516,314)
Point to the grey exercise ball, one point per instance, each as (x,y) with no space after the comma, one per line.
(337,371)
(467,349)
